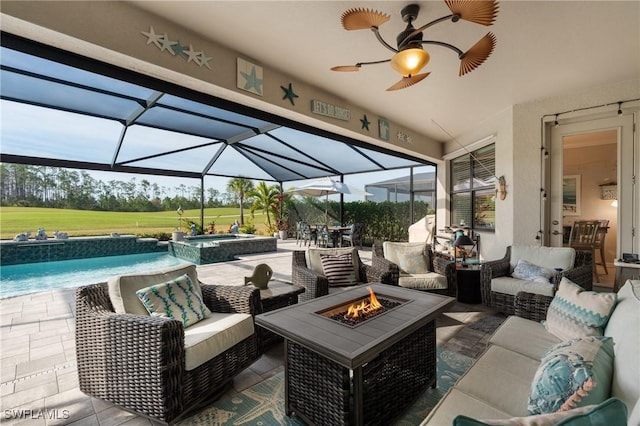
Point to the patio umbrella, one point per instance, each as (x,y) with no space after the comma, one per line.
(325,186)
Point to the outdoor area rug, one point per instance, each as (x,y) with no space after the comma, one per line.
(263,403)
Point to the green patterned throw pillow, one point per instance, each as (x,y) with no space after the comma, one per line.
(176,299)
(574,312)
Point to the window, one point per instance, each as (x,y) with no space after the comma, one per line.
(473,189)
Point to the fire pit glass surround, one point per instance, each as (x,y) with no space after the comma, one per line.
(339,312)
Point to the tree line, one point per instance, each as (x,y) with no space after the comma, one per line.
(42,186)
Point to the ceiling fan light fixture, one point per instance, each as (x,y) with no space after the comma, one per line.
(410,61)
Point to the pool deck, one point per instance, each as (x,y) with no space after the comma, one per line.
(37,350)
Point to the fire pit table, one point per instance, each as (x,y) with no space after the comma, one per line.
(356,373)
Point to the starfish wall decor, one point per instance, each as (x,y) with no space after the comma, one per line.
(175,48)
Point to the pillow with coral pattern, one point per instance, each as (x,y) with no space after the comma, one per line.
(573,374)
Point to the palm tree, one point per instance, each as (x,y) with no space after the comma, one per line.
(266,198)
(240,187)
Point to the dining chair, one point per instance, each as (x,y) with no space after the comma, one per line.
(354,235)
(308,234)
(583,237)
(599,243)
(322,236)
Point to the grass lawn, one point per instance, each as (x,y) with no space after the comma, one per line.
(14,220)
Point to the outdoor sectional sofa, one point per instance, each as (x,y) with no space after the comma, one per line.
(498,384)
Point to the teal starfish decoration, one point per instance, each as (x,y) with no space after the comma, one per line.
(252,81)
(289,94)
(365,122)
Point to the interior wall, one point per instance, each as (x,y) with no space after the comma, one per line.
(518,157)
(501,126)
(596,166)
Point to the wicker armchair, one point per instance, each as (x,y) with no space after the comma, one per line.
(138,362)
(317,285)
(581,273)
(440,265)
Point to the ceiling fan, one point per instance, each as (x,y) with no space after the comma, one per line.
(409,56)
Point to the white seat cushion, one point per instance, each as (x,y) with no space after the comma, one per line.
(515,371)
(212,336)
(428,281)
(512,286)
(524,336)
(122,289)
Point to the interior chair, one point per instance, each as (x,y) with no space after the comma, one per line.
(353,236)
(583,237)
(308,271)
(154,365)
(414,265)
(532,269)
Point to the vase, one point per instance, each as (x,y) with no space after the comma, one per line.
(282,235)
(177,235)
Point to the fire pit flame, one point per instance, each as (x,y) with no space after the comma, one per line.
(365,307)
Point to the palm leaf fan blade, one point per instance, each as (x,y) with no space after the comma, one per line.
(478,11)
(408,81)
(478,53)
(345,68)
(363,19)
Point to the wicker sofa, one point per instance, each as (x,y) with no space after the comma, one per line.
(438,276)
(153,365)
(498,287)
(498,384)
(306,271)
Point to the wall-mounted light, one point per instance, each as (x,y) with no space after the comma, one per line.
(501,190)
(614,203)
(619,109)
(609,192)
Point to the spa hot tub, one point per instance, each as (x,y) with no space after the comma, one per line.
(204,249)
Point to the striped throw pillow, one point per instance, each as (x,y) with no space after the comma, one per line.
(574,312)
(338,269)
(176,299)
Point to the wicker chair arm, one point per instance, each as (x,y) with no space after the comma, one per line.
(384,271)
(375,274)
(492,269)
(447,267)
(232,299)
(532,306)
(581,273)
(128,359)
(315,285)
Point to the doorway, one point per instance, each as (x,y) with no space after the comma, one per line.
(591,175)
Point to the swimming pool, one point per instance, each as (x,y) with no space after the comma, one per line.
(27,278)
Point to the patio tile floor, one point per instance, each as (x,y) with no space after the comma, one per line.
(38,377)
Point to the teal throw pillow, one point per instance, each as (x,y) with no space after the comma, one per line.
(176,299)
(573,374)
(611,412)
(574,312)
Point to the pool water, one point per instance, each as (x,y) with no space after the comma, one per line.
(27,278)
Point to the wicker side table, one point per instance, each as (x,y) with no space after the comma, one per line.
(277,295)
